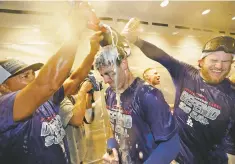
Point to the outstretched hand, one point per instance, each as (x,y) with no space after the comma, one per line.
(86,87)
(95,42)
(93,21)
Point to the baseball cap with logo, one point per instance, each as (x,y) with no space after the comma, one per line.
(13,67)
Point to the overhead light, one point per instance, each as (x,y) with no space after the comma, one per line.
(233,18)
(175,33)
(206,12)
(164,3)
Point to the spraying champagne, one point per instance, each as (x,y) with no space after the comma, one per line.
(131,30)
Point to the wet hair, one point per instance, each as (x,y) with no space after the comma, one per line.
(109,56)
(145,73)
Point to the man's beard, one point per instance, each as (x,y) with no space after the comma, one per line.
(209,79)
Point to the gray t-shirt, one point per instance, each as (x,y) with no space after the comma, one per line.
(75,135)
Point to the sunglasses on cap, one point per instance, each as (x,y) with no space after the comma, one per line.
(221,43)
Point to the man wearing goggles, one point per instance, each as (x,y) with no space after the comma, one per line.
(204,103)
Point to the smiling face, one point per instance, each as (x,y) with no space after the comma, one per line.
(215,67)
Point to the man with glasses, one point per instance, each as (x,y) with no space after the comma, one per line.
(204,101)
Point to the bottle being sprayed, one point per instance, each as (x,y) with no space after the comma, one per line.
(131,29)
(132,25)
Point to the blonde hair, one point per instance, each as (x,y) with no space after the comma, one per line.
(145,76)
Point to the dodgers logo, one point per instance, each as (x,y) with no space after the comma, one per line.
(53,131)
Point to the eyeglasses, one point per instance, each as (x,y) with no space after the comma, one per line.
(222,43)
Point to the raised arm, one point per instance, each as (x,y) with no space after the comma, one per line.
(79,108)
(49,80)
(72,83)
(131,33)
(155,53)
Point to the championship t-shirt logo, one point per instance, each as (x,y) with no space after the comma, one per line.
(53,131)
(198,107)
(120,122)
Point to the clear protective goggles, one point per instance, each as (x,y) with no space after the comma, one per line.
(221,43)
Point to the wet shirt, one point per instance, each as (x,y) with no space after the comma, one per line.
(40,139)
(229,139)
(202,111)
(228,143)
(142,121)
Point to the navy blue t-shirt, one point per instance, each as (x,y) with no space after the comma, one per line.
(202,111)
(39,139)
(143,121)
(229,139)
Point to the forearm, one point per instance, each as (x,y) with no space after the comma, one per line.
(165,151)
(174,66)
(150,50)
(57,68)
(79,109)
(48,81)
(51,76)
(78,76)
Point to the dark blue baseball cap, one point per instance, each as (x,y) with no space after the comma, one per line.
(13,67)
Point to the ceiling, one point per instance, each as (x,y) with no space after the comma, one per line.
(33,26)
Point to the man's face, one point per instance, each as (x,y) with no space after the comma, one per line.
(153,77)
(216,66)
(113,76)
(20,81)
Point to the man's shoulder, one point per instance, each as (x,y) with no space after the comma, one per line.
(108,91)
(145,88)
(66,105)
(228,86)
(230,83)
(7,97)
